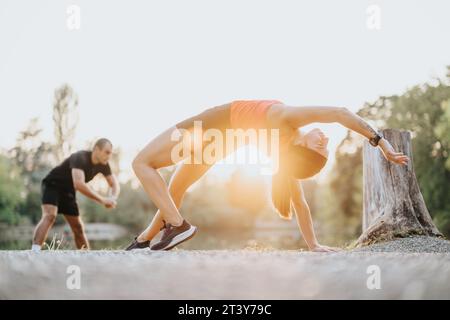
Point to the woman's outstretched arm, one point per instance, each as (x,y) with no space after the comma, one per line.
(301,116)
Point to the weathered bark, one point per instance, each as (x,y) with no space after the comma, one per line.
(393,204)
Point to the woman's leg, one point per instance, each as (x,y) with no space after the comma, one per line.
(157,154)
(184,176)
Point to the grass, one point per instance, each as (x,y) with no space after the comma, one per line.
(55,243)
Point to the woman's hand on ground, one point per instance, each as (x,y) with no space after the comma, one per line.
(321,248)
(390,154)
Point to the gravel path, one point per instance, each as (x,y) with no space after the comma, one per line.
(416,244)
(230,274)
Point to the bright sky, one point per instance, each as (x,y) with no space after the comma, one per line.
(141,66)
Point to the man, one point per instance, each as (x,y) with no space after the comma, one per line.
(59,189)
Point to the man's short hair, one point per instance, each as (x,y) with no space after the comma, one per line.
(101,143)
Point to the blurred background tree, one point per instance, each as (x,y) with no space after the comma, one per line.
(425,111)
(34,158)
(341,210)
(65,119)
(11,189)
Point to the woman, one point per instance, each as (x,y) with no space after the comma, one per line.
(300,156)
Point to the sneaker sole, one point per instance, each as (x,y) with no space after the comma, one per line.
(182,237)
(138,248)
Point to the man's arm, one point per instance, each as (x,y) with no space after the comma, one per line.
(114,185)
(80,185)
(304,219)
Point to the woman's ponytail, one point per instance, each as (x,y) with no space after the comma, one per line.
(281,194)
(297,162)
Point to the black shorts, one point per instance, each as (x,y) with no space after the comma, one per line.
(63,199)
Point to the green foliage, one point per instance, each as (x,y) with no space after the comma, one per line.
(11,187)
(425,111)
(341,210)
(134,209)
(34,158)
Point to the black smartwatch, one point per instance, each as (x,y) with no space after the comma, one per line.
(374,140)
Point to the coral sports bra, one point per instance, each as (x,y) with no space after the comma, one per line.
(249,114)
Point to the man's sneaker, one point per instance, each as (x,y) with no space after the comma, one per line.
(173,235)
(138,245)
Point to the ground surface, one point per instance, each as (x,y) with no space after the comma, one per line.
(423,272)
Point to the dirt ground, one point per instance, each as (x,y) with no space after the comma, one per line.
(224,274)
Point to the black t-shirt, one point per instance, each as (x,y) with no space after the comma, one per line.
(61,176)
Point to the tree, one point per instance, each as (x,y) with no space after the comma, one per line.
(393,204)
(34,158)
(425,111)
(343,200)
(10,192)
(65,118)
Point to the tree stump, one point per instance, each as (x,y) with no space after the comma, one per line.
(393,204)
